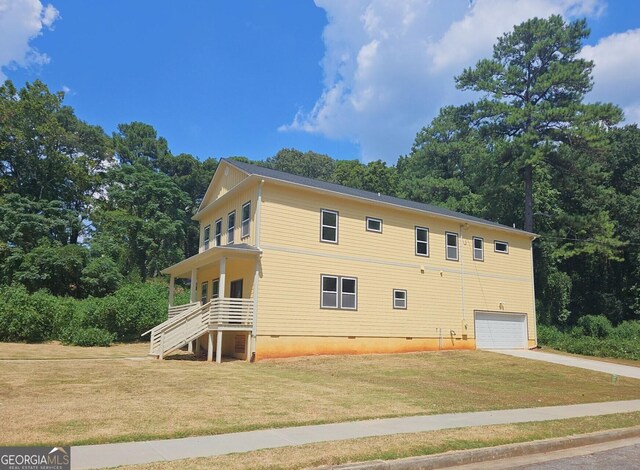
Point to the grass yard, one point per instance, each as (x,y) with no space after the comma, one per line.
(613,360)
(80,401)
(398,446)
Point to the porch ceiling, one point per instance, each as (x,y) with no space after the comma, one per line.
(212,255)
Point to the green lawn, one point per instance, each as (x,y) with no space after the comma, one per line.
(75,401)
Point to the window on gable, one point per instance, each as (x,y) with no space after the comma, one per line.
(218,234)
(500,247)
(207,234)
(451,240)
(204,292)
(328,226)
(374,225)
(478,249)
(246,218)
(422,241)
(400,299)
(231,227)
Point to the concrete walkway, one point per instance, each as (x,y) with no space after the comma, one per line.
(598,366)
(129,453)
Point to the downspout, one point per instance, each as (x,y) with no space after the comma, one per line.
(460,253)
(533,299)
(256,278)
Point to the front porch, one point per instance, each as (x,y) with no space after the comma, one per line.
(221,315)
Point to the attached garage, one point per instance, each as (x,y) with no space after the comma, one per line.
(496,330)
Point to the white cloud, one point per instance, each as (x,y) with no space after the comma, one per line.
(20,22)
(389,66)
(617,71)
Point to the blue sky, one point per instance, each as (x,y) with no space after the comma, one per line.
(353,79)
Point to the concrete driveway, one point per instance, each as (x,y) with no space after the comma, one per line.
(598,366)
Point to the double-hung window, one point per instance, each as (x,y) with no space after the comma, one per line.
(451,240)
(339,292)
(246,218)
(207,235)
(478,249)
(215,289)
(204,292)
(422,241)
(400,299)
(328,226)
(231,227)
(218,234)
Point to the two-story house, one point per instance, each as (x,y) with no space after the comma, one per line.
(293,266)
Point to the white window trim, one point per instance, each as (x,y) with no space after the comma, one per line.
(218,235)
(206,238)
(395,306)
(473,247)
(322,225)
(354,294)
(371,229)
(246,222)
(231,229)
(495,247)
(447,246)
(420,241)
(337,291)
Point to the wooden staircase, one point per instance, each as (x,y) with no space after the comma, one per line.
(187,324)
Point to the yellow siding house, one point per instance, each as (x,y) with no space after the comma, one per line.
(292,266)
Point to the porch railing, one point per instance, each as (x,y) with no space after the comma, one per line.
(178,309)
(231,313)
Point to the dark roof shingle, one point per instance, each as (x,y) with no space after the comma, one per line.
(359,193)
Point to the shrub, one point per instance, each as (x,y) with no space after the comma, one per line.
(629,330)
(596,326)
(24,317)
(88,337)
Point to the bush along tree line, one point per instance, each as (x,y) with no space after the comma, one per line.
(87,218)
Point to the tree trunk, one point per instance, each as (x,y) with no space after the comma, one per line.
(528,198)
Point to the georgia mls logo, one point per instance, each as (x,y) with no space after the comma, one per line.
(34,458)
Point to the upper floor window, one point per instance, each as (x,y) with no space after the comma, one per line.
(207,234)
(204,293)
(500,247)
(231,227)
(374,225)
(328,226)
(422,241)
(451,240)
(218,234)
(246,218)
(215,288)
(478,249)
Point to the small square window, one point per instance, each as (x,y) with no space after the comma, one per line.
(328,226)
(500,247)
(374,225)
(400,299)
(422,241)
(478,249)
(451,246)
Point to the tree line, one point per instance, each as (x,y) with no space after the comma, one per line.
(84,213)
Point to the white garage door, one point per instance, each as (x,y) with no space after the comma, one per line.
(501,330)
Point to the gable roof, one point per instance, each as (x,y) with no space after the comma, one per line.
(367,195)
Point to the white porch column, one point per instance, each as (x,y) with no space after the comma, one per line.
(219,347)
(248,347)
(190,347)
(198,347)
(194,284)
(223,275)
(210,348)
(172,289)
